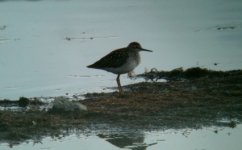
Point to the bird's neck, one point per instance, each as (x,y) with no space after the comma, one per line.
(135,56)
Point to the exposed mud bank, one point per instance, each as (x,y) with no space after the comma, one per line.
(184,103)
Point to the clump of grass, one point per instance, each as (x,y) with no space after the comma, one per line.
(23,102)
(190,73)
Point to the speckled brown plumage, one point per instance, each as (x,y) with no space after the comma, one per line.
(114,59)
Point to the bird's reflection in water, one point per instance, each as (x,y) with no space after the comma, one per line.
(133,141)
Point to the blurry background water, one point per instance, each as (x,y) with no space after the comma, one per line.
(45,45)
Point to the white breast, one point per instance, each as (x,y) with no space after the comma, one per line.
(131,63)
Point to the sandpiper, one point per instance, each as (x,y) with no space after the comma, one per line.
(120,61)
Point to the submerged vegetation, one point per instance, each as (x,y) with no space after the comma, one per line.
(191,98)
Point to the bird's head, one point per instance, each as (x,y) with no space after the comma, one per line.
(137,47)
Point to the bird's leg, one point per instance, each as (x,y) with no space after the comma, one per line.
(119,85)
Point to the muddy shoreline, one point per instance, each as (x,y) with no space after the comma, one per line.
(177,104)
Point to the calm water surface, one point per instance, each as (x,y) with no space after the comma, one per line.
(210,138)
(46,45)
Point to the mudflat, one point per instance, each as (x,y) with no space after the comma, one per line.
(196,102)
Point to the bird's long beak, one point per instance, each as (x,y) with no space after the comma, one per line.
(145,50)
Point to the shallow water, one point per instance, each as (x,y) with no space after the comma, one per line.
(207,138)
(45,46)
